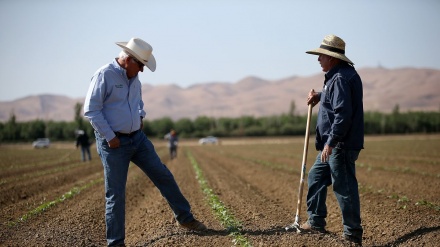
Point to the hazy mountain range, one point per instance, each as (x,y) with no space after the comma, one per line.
(412,89)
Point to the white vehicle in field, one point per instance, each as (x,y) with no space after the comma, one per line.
(209,140)
(41,143)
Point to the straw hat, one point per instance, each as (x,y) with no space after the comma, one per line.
(141,50)
(332,46)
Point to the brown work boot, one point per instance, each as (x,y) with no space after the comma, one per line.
(194,225)
(307,227)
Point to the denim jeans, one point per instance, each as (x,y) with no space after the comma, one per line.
(139,150)
(85,150)
(339,171)
(173,152)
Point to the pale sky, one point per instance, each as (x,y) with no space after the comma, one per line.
(55,46)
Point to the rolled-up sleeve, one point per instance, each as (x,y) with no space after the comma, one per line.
(142,112)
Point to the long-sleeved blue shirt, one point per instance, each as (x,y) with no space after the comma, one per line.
(114,102)
(341,114)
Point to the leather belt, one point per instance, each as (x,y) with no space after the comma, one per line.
(118,134)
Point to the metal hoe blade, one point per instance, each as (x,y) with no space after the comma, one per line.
(295,226)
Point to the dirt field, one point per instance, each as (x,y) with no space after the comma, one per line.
(49,198)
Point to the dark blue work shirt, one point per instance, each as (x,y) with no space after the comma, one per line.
(341,113)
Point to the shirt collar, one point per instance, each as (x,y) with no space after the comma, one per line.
(119,69)
(333,70)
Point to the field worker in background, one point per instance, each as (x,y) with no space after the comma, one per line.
(339,139)
(114,108)
(82,140)
(173,142)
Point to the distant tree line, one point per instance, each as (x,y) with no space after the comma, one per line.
(288,124)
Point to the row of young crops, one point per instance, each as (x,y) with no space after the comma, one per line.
(248,186)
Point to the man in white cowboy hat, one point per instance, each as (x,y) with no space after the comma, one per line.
(114,108)
(339,139)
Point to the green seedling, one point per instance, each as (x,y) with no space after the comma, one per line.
(428,204)
(46,206)
(227,219)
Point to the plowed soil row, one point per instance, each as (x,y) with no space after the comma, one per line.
(256,179)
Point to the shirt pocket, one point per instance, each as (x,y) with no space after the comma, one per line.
(325,96)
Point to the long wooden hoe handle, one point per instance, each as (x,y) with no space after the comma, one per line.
(304,161)
(295,225)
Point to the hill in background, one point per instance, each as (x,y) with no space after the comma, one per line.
(411,89)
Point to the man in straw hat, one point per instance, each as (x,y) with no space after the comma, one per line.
(114,107)
(339,139)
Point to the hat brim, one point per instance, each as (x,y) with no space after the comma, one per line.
(151,63)
(320,51)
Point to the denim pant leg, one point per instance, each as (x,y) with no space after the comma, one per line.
(173,152)
(83,155)
(115,163)
(88,152)
(85,150)
(345,187)
(149,162)
(319,178)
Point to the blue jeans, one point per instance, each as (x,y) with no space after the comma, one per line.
(341,172)
(85,150)
(139,150)
(173,152)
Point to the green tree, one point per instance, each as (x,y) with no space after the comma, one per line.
(373,123)
(55,130)
(78,117)
(12,129)
(255,131)
(162,126)
(147,129)
(184,127)
(202,126)
(2,132)
(292,108)
(226,125)
(32,130)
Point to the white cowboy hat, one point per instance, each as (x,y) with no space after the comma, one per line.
(332,46)
(141,50)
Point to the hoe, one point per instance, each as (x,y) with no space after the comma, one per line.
(296,225)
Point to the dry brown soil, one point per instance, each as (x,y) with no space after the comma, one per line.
(256,179)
